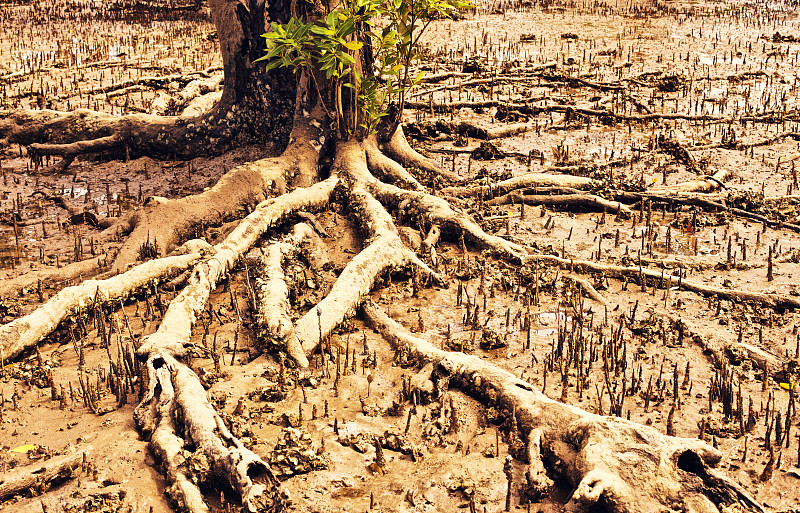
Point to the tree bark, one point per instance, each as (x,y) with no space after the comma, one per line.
(256,106)
(612,462)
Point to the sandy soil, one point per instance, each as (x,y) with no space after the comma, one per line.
(727,60)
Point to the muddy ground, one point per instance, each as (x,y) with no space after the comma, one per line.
(724,60)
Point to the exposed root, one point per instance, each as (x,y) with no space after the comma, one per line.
(469,129)
(398,148)
(428,247)
(167,447)
(617,464)
(537,483)
(26,332)
(43,277)
(385,167)
(243,470)
(586,201)
(518,182)
(723,351)
(22,479)
(660,280)
(173,387)
(168,220)
(438,211)
(175,330)
(587,287)
(272,295)
(707,203)
(704,184)
(384,252)
(52,129)
(76,148)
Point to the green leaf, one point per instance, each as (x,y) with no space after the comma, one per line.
(271,65)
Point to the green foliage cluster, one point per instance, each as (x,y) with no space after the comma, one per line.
(391,28)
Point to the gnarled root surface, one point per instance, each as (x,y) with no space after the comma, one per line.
(166,221)
(439,212)
(617,464)
(384,252)
(272,295)
(176,393)
(25,332)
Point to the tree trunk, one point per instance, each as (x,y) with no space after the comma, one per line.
(256,106)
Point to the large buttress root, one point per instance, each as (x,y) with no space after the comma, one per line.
(203,429)
(439,212)
(272,295)
(25,332)
(618,464)
(166,221)
(384,251)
